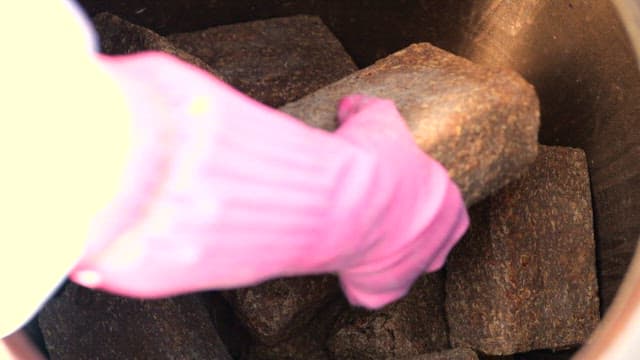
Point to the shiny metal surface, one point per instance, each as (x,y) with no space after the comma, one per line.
(618,335)
(629,12)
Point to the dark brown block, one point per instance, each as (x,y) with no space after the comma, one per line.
(524,278)
(481,123)
(84,324)
(232,331)
(309,342)
(454,354)
(278,309)
(276,60)
(413,325)
(120,37)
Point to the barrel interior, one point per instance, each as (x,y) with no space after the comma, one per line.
(576,54)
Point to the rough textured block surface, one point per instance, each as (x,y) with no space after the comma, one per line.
(454,354)
(276,60)
(276,310)
(480,123)
(309,343)
(84,324)
(413,325)
(524,278)
(232,331)
(120,37)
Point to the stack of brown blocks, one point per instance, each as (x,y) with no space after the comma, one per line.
(522,279)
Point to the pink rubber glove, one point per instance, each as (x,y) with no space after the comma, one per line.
(424,214)
(225,192)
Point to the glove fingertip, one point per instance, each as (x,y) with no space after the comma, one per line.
(351,105)
(371,300)
(87,278)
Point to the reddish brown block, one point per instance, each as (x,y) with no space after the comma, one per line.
(278,309)
(480,123)
(413,325)
(524,278)
(308,342)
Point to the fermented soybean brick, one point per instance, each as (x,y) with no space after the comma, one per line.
(309,342)
(412,325)
(119,37)
(274,61)
(524,277)
(277,310)
(84,324)
(481,123)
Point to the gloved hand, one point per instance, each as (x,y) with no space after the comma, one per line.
(224,192)
(424,215)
